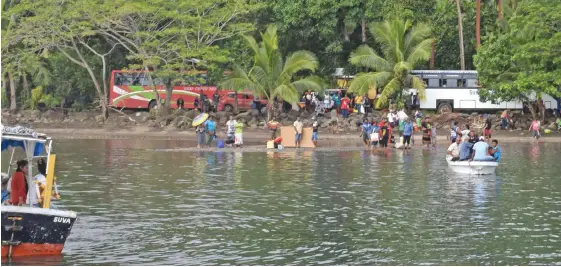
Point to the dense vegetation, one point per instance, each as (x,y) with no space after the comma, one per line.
(61,52)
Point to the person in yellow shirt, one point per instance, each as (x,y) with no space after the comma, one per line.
(358,102)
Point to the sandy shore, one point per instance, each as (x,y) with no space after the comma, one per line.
(254,135)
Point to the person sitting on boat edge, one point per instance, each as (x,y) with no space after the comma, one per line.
(454,149)
(480,151)
(495,150)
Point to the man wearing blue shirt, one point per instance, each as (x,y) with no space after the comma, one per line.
(407,132)
(496,150)
(465,149)
(210,126)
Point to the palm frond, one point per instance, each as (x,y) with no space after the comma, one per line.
(312,83)
(298,61)
(363,82)
(420,85)
(286,92)
(365,56)
(238,80)
(419,53)
(390,90)
(414,36)
(270,39)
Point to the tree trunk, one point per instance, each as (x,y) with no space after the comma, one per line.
(532,108)
(26,87)
(13,104)
(154,89)
(235,102)
(478,25)
(363,25)
(432,54)
(500,9)
(461,35)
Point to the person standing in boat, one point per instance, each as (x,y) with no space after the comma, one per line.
(19,184)
(40,181)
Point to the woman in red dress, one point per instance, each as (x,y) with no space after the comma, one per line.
(19,184)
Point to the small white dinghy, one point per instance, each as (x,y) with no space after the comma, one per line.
(472,167)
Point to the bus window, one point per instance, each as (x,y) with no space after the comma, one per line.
(426,81)
(443,83)
(452,82)
(472,83)
(461,83)
(434,83)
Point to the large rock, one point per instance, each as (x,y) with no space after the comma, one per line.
(243,115)
(192,113)
(98,118)
(54,116)
(141,117)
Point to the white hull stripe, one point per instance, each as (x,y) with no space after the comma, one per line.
(41,211)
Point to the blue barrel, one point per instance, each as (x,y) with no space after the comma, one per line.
(220,143)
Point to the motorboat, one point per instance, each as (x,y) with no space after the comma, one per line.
(33,230)
(472,167)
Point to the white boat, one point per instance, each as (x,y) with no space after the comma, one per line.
(472,167)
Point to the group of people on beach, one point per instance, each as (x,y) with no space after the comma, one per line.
(206,132)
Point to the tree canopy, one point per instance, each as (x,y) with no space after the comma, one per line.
(524,61)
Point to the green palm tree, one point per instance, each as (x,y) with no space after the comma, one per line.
(272,77)
(403,46)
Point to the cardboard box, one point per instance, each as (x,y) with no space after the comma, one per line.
(288,135)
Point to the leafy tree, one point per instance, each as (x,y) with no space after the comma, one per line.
(272,77)
(523,62)
(403,47)
(169,37)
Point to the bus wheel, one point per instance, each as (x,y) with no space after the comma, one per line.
(444,107)
(152,104)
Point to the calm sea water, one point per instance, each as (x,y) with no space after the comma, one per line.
(139,205)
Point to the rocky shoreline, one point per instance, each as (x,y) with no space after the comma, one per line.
(177,125)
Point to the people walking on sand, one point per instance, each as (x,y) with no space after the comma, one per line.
(487,130)
(535,128)
(365,132)
(210,126)
(407,133)
(504,120)
(238,136)
(315,127)
(298,126)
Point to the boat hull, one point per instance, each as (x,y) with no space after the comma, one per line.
(473,167)
(30,231)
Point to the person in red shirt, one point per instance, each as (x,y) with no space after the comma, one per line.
(19,184)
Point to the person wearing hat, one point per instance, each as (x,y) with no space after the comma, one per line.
(480,150)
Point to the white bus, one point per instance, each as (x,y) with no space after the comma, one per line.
(449,90)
